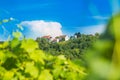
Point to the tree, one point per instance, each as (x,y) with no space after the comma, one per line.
(78,34)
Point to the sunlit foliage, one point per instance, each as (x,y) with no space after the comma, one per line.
(23,60)
(104,57)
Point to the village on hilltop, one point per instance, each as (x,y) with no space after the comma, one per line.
(56,39)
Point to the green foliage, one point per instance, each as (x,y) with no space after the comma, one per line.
(17,34)
(23,60)
(5,21)
(103,58)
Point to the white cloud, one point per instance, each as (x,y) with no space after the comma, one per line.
(40,28)
(92,29)
(101,17)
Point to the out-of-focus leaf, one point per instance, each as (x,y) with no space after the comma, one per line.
(8,75)
(101,71)
(57,71)
(38,55)
(30,68)
(2,57)
(5,44)
(17,34)
(29,45)
(5,20)
(45,75)
(15,42)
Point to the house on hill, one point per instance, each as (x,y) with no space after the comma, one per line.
(49,38)
(61,38)
(56,39)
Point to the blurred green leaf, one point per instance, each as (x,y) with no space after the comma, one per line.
(5,20)
(45,75)
(15,42)
(17,34)
(8,75)
(30,68)
(2,57)
(29,45)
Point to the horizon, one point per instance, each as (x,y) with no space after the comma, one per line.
(53,17)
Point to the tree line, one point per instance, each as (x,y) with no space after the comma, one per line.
(74,48)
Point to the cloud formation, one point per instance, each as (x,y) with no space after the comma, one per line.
(39,28)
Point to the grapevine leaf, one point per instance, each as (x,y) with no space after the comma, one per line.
(8,75)
(29,45)
(15,42)
(57,71)
(38,55)
(45,75)
(2,57)
(5,44)
(17,34)
(30,68)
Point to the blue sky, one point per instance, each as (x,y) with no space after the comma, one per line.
(69,16)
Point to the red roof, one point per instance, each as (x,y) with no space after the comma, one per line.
(47,37)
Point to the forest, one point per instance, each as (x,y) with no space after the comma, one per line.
(72,49)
